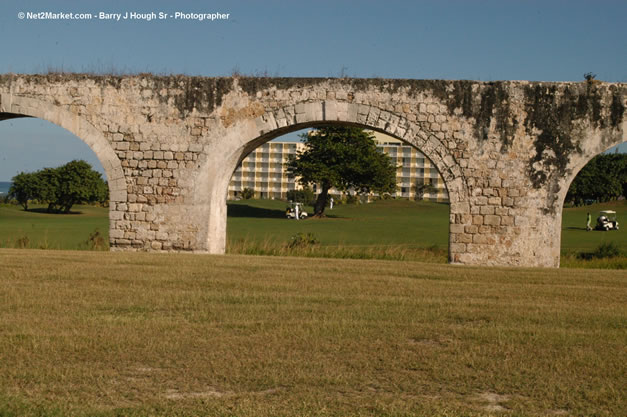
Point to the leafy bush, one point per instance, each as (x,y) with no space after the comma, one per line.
(603,251)
(247,193)
(607,250)
(22,242)
(95,241)
(302,240)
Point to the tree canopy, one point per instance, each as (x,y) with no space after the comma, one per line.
(23,188)
(604,178)
(344,158)
(60,188)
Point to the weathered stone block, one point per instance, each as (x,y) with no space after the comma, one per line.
(464,238)
(507,220)
(492,220)
(460,207)
(471,229)
(480,239)
(458,247)
(485,229)
(116,234)
(486,210)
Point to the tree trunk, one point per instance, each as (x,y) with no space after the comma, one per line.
(321,201)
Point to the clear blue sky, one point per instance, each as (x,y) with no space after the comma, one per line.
(480,40)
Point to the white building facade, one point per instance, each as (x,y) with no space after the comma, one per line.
(264,171)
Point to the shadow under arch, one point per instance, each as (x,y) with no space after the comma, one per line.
(253,133)
(19,107)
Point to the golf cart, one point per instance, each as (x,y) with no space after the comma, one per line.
(295,209)
(607,221)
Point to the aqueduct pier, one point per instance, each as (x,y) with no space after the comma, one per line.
(507,151)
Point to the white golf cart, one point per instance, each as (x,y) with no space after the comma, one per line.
(607,220)
(295,211)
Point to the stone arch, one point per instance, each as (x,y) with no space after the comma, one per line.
(595,145)
(580,163)
(251,134)
(16,107)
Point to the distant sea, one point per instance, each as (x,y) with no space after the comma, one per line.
(4,187)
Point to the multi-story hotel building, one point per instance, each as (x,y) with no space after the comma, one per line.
(264,171)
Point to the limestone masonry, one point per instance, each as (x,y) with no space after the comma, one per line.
(507,151)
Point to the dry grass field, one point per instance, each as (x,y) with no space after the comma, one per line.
(135,334)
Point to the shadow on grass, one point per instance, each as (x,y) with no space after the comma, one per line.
(244,210)
(327,215)
(45,211)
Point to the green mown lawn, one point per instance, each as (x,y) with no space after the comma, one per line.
(393,223)
(575,238)
(389,222)
(37,229)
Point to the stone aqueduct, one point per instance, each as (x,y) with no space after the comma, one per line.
(169,145)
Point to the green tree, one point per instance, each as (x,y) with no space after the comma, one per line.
(47,187)
(24,187)
(60,188)
(305,196)
(343,157)
(604,178)
(77,183)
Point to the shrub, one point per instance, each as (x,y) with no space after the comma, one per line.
(607,250)
(247,193)
(302,240)
(95,241)
(22,242)
(603,251)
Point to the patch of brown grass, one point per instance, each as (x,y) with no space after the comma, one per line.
(270,247)
(89,333)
